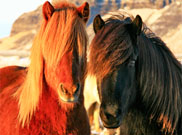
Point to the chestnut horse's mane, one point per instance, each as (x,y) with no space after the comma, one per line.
(64,31)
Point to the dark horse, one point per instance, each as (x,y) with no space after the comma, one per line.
(139,80)
(47,97)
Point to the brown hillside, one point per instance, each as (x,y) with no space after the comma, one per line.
(165,22)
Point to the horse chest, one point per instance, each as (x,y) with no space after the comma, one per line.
(53,118)
(47,122)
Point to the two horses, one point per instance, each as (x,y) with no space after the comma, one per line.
(47,97)
(139,80)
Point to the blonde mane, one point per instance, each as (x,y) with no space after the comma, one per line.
(64,31)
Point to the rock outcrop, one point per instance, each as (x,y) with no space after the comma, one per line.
(27,22)
(165,22)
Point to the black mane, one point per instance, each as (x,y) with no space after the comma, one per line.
(159,79)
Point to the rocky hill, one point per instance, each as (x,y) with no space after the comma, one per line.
(31,20)
(165,22)
(27,21)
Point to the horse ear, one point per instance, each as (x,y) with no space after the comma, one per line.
(137,25)
(98,23)
(84,11)
(47,10)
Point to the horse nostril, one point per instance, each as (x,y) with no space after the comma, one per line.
(77,89)
(70,94)
(64,91)
(109,116)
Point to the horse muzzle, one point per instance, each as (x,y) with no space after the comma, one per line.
(110,117)
(69,95)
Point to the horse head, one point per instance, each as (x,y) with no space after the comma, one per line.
(58,57)
(116,69)
(64,72)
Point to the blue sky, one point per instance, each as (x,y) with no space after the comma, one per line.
(10,10)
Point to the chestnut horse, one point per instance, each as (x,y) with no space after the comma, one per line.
(139,80)
(47,97)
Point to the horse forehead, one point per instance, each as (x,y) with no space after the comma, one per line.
(66,68)
(67,60)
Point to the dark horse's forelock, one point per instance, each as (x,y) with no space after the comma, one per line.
(108,55)
(159,74)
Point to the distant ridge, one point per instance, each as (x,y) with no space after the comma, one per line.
(31,20)
(165,22)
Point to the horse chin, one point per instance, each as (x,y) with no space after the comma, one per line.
(113,125)
(69,100)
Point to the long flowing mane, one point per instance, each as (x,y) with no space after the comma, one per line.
(159,73)
(64,31)
(160,79)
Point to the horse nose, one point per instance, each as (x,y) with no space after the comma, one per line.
(109,113)
(69,94)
